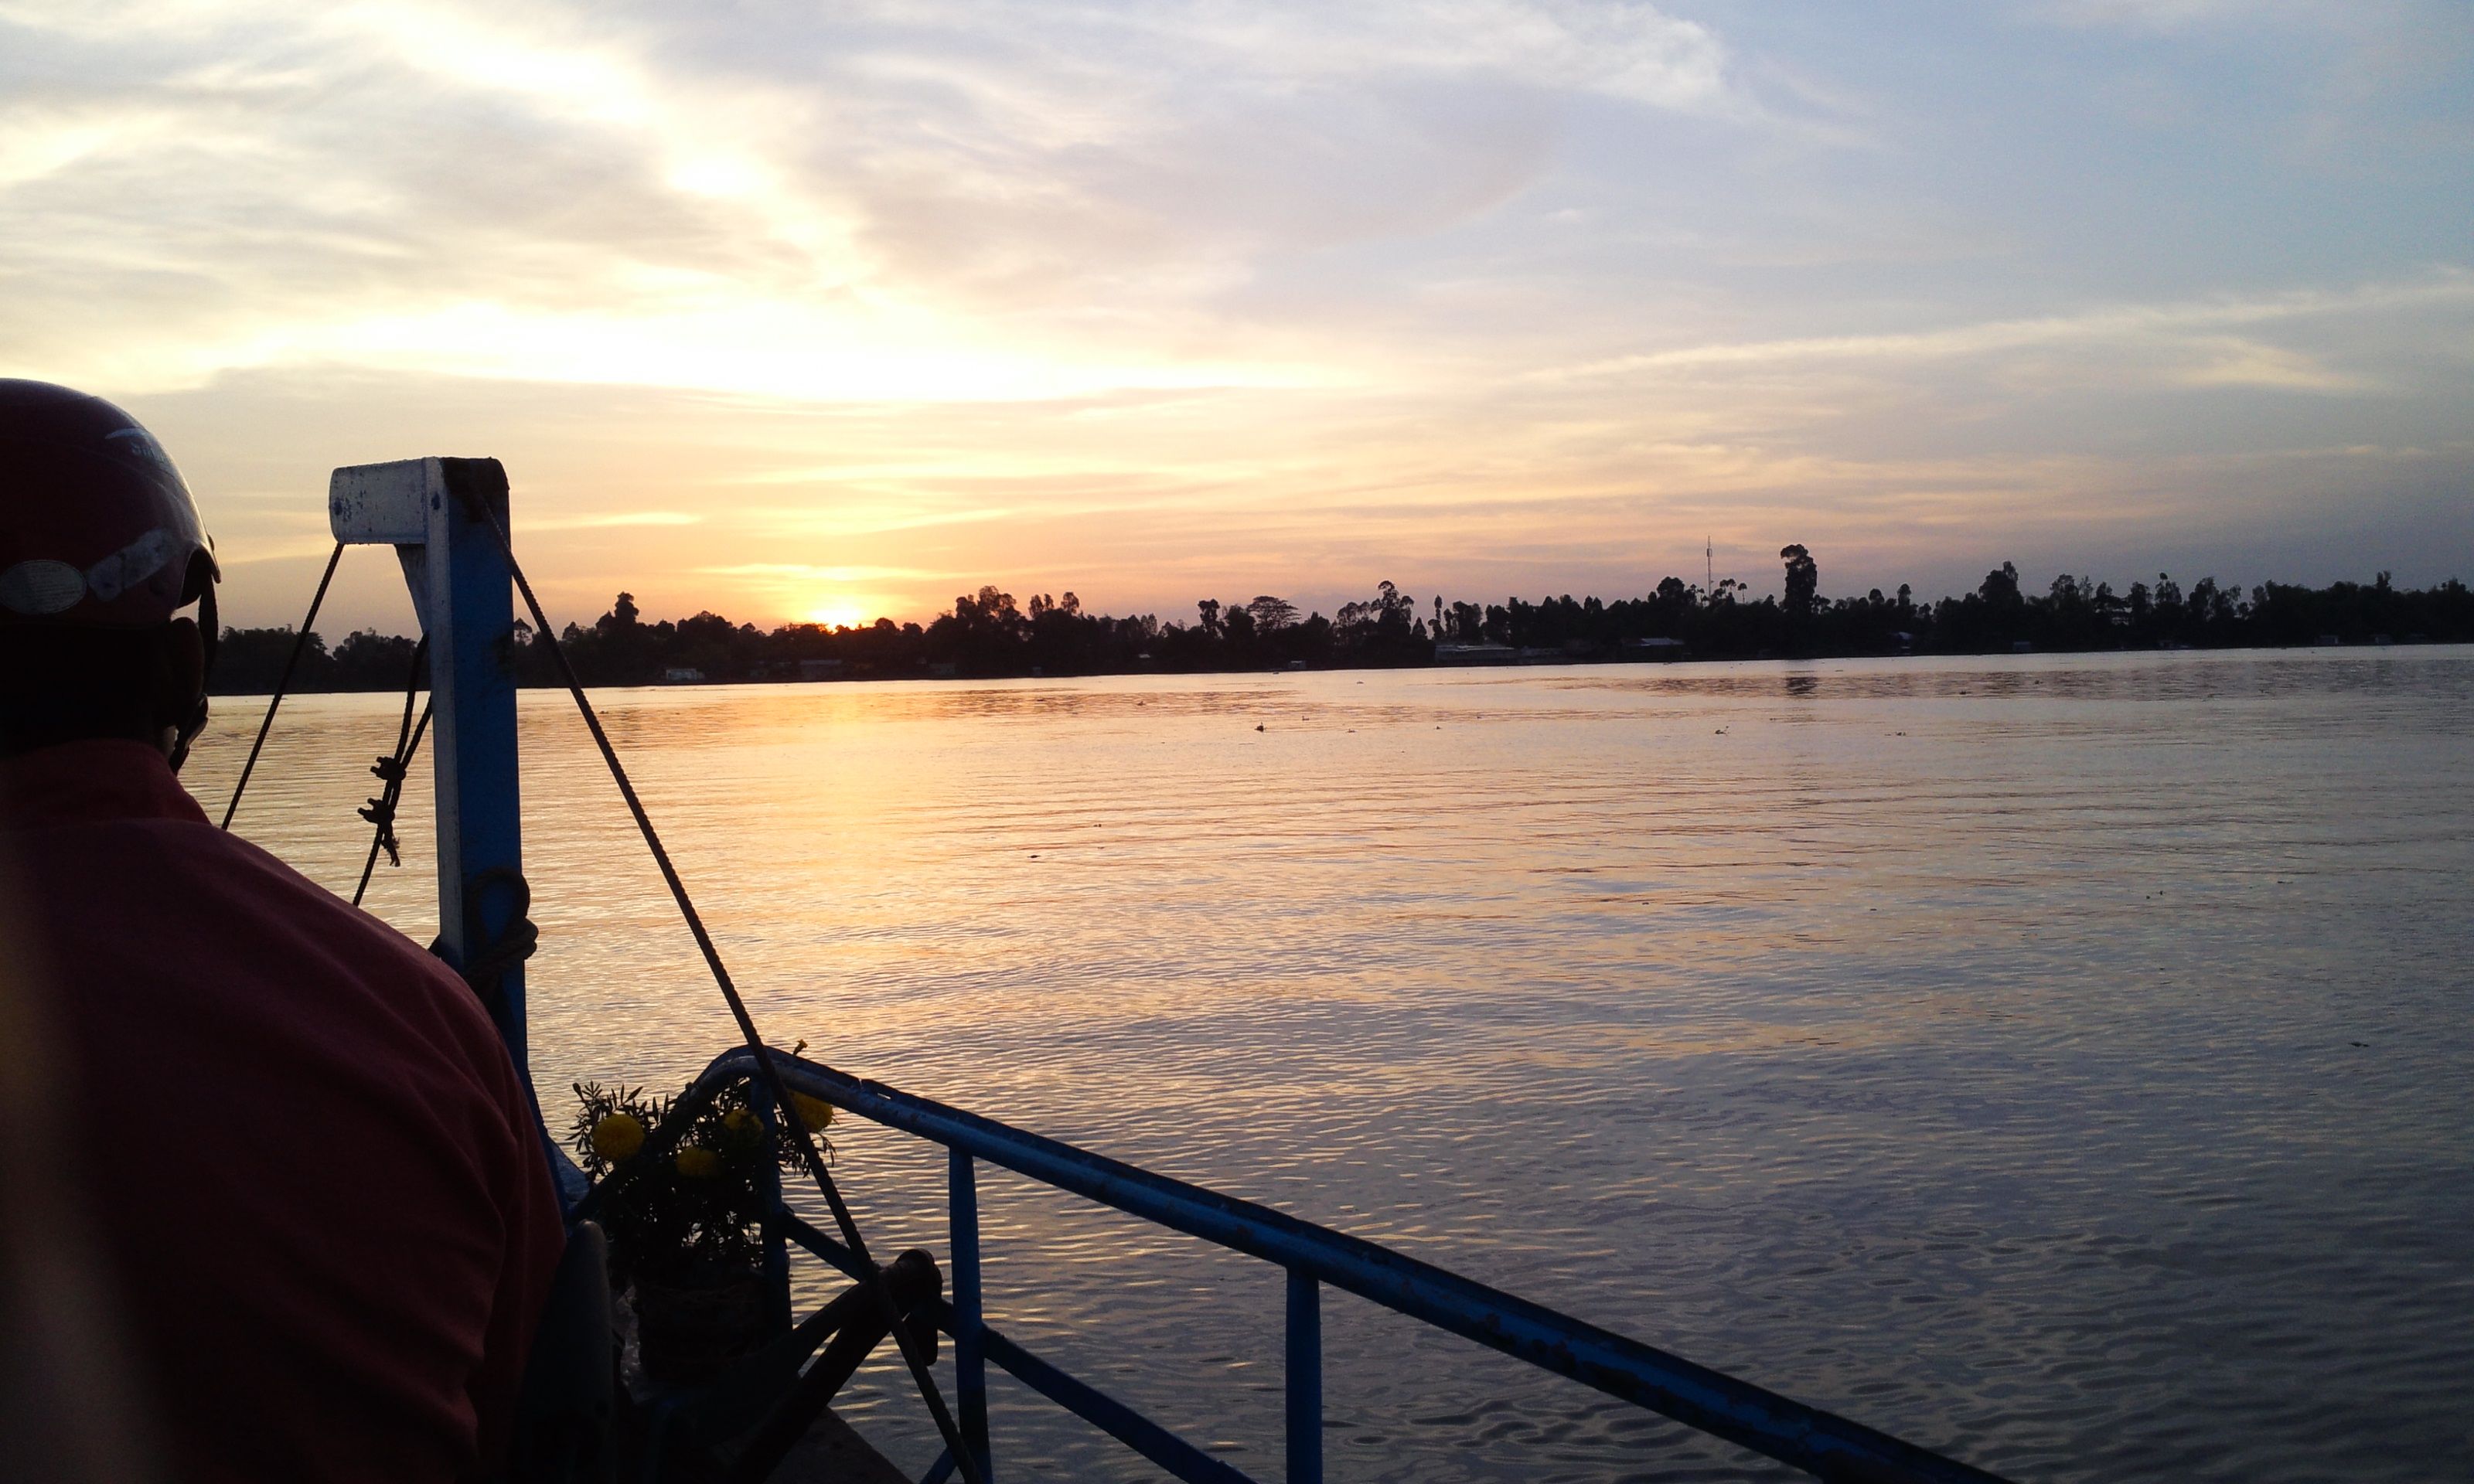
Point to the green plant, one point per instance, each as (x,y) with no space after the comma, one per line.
(691,1210)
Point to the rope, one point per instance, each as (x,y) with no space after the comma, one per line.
(912,1353)
(486,963)
(486,960)
(300,646)
(391,771)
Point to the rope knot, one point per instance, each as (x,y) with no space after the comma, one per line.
(381,813)
(486,961)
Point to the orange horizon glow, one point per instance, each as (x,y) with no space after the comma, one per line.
(839,615)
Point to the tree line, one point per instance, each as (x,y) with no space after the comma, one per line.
(988,633)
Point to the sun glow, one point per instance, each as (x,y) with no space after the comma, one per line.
(838,615)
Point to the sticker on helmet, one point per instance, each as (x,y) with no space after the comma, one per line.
(140,444)
(41,587)
(129,566)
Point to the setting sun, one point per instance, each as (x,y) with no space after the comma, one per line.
(836,616)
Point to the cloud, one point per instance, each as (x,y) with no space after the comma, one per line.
(2355,52)
(294,551)
(820,574)
(897,201)
(2248,15)
(613,520)
(2185,343)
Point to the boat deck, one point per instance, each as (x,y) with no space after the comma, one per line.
(833,1452)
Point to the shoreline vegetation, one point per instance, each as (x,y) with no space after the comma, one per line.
(988,636)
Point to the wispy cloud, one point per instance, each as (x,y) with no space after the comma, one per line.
(2170,15)
(2182,341)
(613,520)
(821,574)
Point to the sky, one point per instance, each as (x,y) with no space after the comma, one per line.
(816,311)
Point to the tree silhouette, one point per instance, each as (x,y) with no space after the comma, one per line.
(2000,588)
(622,614)
(1803,581)
(987,634)
(1271,615)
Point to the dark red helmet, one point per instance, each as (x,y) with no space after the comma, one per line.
(96,527)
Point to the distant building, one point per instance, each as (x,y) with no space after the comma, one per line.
(820,669)
(1476,654)
(944,670)
(681,675)
(1655,649)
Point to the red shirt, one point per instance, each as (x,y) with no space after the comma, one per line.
(314,1169)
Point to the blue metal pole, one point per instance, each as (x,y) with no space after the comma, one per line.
(1305,1378)
(470,616)
(437,514)
(970,1323)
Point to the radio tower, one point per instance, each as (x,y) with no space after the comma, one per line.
(1710,565)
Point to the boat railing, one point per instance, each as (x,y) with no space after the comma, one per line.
(447,521)
(1818,1442)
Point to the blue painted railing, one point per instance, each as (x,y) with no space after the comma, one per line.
(1809,1439)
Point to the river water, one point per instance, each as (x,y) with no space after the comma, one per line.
(2062,1062)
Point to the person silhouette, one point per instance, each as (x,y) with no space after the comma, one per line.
(325,1219)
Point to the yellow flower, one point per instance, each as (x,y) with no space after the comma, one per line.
(699,1164)
(617,1136)
(738,1120)
(815,1114)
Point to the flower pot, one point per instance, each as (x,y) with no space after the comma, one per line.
(689,1333)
